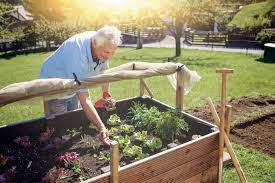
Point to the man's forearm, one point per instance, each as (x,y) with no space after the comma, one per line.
(106,87)
(91,113)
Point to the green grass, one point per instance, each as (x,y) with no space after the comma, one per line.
(257,167)
(250,77)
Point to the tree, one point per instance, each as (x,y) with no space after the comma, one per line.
(177,13)
(49,9)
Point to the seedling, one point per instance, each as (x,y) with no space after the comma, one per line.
(77,168)
(114,120)
(23,141)
(55,175)
(104,156)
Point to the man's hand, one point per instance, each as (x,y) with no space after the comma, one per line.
(106,102)
(104,136)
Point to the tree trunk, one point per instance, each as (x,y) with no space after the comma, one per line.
(178,49)
(178,33)
(139,40)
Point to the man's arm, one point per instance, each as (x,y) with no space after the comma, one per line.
(93,116)
(106,87)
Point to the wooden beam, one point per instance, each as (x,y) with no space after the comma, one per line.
(147,88)
(141,87)
(179,94)
(227,143)
(114,162)
(227,119)
(46,109)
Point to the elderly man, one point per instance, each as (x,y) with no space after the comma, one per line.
(83,55)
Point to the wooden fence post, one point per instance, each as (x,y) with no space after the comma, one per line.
(179,94)
(114,162)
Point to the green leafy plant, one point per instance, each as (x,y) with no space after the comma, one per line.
(113,131)
(142,117)
(77,168)
(171,126)
(154,143)
(104,156)
(123,141)
(127,128)
(134,151)
(141,136)
(114,120)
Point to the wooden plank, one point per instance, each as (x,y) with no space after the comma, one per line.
(221,137)
(162,162)
(147,88)
(168,160)
(46,109)
(227,119)
(141,86)
(209,175)
(179,94)
(188,170)
(114,162)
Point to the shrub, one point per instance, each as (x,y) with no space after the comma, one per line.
(265,36)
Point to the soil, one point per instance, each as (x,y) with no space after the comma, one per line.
(252,124)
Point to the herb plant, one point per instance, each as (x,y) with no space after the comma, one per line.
(142,117)
(171,126)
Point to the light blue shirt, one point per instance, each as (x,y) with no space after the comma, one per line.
(73,56)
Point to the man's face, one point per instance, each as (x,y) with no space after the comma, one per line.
(105,51)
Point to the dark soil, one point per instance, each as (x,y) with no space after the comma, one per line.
(253,122)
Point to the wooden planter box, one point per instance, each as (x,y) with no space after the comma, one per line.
(194,161)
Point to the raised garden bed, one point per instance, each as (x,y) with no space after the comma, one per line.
(190,161)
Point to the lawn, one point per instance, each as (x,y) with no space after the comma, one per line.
(250,77)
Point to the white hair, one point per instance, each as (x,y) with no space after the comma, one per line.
(108,33)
